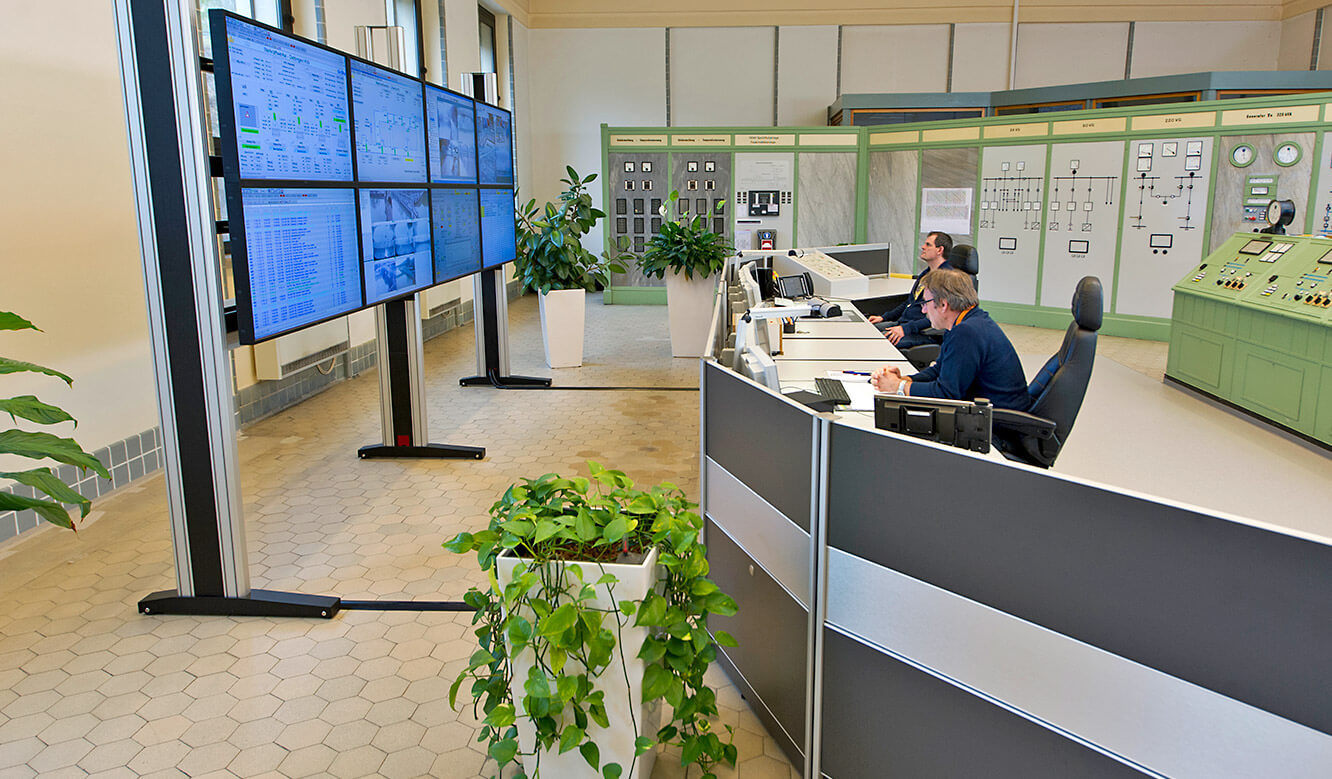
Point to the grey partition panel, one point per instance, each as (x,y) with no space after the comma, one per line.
(891,215)
(902,722)
(1239,202)
(771,628)
(763,440)
(826,187)
(1156,584)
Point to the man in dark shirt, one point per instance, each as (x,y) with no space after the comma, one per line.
(903,324)
(976,359)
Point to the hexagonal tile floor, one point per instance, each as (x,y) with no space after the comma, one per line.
(90,687)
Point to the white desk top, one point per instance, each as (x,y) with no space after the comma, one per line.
(793,371)
(883,286)
(877,348)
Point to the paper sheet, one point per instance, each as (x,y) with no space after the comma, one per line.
(858,388)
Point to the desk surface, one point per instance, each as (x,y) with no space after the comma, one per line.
(878,348)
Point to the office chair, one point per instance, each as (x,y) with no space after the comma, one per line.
(962,257)
(1036,435)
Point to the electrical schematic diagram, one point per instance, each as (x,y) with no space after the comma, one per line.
(1165,197)
(1010,221)
(1082,218)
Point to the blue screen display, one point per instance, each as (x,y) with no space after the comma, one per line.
(395,242)
(494,144)
(289,103)
(451,124)
(390,128)
(456,218)
(300,249)
(498,242)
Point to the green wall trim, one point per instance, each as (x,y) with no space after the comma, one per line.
(635,296)
(1120,325)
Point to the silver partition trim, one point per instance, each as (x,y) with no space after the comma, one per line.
(1145,718)
(818,561)
(765,534)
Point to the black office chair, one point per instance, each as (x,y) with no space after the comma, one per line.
(1036,436)
(963,257)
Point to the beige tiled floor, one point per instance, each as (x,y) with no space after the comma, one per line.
(90,687)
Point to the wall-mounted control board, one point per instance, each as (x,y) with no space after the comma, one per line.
(764,190)
(1081,218)
(1011,211)
(639,184)
(704,183)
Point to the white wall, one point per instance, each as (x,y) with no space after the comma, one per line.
(901,58)
(1297,34)
(980,57)
(1050,54)
(1162,48)
(806,74)
(341,18)
(702,58)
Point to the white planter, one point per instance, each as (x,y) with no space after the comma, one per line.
(624,704)
(690,303)
(562,312)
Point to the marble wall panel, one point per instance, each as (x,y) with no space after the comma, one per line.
(891,219)
(826,193)
(1292,183)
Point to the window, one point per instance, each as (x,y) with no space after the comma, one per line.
(486,21)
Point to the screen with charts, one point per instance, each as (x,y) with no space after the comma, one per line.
(395,242)
(288,104)
(390,128)
(456,219)
(494,145)
(451,129)
(301,268)
(498,242)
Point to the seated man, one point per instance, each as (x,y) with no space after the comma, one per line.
(903,324)
(976,359)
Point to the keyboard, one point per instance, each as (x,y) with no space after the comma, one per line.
(832,389)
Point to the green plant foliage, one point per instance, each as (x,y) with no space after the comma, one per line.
(549,609)
(684,244)
(550,248)
(40,446)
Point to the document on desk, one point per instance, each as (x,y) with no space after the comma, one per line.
(858,389)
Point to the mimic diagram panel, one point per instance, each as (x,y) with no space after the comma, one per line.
(639,184)
(1082,217)
(1165,202)
(764,189)
(1322,203)
(1254,170)
(1011,211)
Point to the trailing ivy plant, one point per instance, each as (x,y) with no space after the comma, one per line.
(551,519)
(550,248)
(40,446)
(684,244)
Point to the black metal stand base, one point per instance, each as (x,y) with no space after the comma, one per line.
(259,603)
(493,379)
(437,451)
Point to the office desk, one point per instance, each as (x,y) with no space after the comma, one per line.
(838,349)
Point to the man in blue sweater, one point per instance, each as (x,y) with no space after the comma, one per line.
(976,359)
(903,324)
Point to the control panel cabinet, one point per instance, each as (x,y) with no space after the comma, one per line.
(1252,325)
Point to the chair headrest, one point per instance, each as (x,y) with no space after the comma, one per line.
(965,258)
(1088,303)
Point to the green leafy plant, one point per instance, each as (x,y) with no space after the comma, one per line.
(39,446)
(548,608)
(550,248)
(684,244)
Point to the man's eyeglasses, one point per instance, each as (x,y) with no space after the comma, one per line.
(924,301)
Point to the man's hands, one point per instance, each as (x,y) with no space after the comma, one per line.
(874,320)
(886,379)
(894,334)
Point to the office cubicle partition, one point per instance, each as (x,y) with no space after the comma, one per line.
(978,617)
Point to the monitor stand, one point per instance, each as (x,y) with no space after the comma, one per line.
(491,320)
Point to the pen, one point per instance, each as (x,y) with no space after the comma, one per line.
(856,373)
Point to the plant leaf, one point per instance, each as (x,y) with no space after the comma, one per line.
(30,408)
(503,751)
(47,482)
(39,445)
(570,738)
(591,754)
(48,510)
(725,639)
(18,366)
(611,771)
(656,681)
(11,321)
(560,620)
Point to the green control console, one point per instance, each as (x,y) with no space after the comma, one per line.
(1252,326)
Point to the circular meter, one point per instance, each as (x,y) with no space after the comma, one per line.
(1242,155)
(1287,154)
(1279,214)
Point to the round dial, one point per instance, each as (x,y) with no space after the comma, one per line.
(1287,154)
(1280,212)
(1241,155)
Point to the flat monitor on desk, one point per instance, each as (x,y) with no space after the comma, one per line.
(752,360)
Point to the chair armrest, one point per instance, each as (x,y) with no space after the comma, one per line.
(1023,423)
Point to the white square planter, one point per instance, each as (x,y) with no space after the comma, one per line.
(562,315)
(624,703)
(690,303)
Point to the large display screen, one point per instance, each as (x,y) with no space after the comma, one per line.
(498,242)
(395,242)
(494,145)
(451,127)
(390,128)
(288,102)
(300,250)
(456,218)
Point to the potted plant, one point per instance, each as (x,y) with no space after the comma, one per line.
(552,262)
(695,256)
(38,446)
(595,622)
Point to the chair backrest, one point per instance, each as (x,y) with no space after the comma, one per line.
(965,258)
(1060,386)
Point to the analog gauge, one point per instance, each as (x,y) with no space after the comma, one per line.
(1242,155)
(1287,154)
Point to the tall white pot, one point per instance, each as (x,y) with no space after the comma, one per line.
(562,314)
(690,303)
(624,701)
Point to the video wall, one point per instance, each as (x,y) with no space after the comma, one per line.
(349,184)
